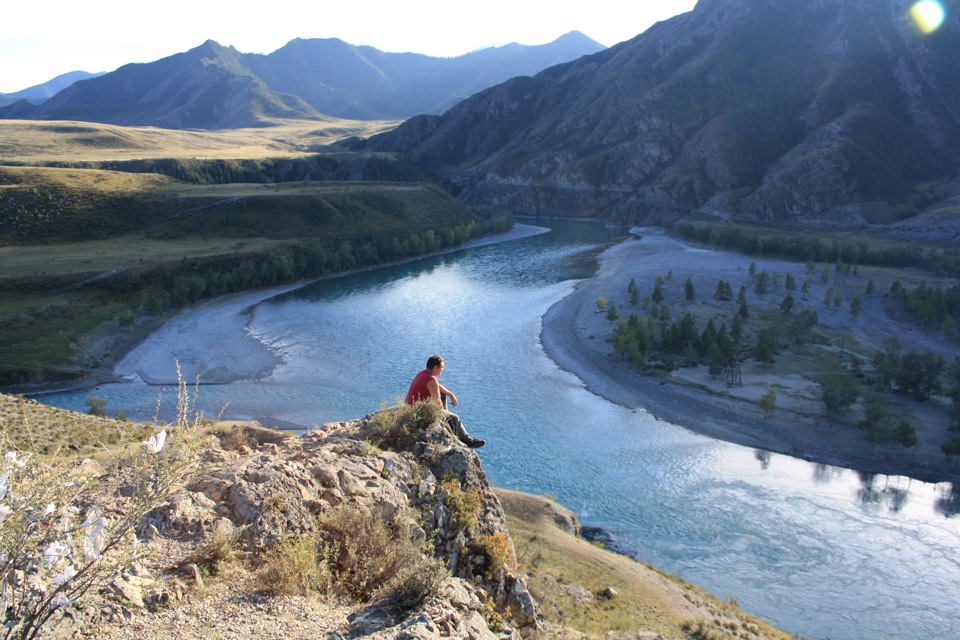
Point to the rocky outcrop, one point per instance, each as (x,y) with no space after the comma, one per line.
(274,490)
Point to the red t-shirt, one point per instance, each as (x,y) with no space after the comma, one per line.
(418,388)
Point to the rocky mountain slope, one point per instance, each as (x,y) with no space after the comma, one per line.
(835,111)
(217,87)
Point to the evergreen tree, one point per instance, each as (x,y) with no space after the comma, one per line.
(856,306)
(736,328)
(887,362)
(688,290)
(787,305)
(766,346)
(657,295)
(718,292)
(761,282)
(716,361)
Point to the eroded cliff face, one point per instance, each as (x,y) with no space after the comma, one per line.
(274,489)
(835,112)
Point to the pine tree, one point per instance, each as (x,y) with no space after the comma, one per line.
(856,306)
(657,295)
(787,305)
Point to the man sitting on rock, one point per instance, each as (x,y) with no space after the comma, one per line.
(425,386)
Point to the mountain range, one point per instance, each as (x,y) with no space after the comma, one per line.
(39,93)
(834,112)
(217,87)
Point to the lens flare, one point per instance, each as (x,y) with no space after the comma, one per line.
(928,14)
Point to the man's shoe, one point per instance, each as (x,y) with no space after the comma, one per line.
(474,443)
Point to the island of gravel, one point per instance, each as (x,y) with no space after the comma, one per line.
(577,336)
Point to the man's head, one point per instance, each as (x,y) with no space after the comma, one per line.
(434,361)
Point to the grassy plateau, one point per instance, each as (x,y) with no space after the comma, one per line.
(113,228)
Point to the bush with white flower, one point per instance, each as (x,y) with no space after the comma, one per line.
(66,530)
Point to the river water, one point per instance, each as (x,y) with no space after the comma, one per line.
(819,551)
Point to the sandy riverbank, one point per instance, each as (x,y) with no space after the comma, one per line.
(210,341)
(575,336)
(214,342)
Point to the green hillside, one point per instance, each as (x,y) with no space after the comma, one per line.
(87,248)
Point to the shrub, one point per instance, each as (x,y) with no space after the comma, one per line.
(372,559)
(96,406)
(49,560)
(294,568)
(236,439)
(879,427)
(219,547)
(838,392)
(464,506)
(398,427)
(768,402)
(500,554)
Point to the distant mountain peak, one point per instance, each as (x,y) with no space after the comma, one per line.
(216,86)
(44,91)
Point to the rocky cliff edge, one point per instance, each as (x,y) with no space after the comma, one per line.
(268,488)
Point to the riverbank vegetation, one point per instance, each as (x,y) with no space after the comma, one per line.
(87,248)
(872,345)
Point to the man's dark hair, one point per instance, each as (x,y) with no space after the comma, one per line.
(434,361)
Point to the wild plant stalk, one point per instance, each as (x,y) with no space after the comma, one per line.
(58,541)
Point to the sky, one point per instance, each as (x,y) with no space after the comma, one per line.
(41,40)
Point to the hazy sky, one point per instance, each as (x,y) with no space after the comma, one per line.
(41,40)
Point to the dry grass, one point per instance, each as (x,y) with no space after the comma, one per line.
(293,568)
(398,426)
(220,546)
(118,253)
(53,431)
(29,141)
(356,555)
(569,576)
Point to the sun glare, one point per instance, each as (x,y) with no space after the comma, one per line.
(928,14)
